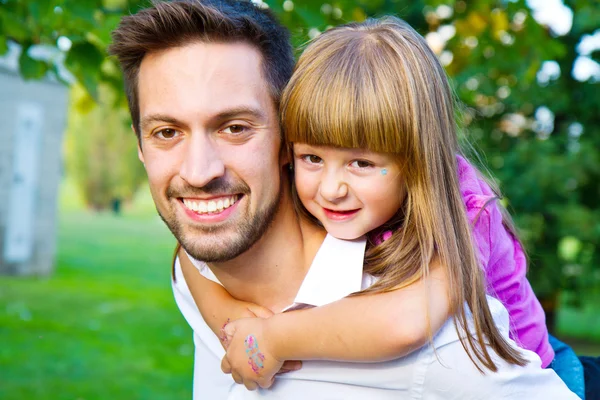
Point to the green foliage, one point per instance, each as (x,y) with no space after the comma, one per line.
(30,68)
(101,150)
(549,176)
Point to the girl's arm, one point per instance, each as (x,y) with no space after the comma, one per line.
(214,302)
(376,327)
(368,328)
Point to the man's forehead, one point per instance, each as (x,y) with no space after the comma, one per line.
(218,78)
(223,63)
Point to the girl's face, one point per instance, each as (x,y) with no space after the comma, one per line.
(351,191)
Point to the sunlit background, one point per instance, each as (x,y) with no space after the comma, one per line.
(86,309)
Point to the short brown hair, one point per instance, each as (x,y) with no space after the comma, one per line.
(177,23)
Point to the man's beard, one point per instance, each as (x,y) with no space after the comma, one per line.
(207,245)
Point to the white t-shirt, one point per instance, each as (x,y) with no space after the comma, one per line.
(446,373)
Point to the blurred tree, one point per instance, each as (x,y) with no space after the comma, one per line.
(535,121)
(100,153)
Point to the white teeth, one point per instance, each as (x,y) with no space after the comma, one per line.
(211,206)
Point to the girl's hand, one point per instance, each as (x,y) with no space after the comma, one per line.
(249,358)
(236,310)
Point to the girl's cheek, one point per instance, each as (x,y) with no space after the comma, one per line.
(306,184)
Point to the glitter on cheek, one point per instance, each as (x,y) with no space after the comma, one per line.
(384,171)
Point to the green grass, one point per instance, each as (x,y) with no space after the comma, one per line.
(105,325)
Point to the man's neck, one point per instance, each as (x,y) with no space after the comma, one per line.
(272,270)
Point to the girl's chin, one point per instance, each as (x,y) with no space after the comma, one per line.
(338,234)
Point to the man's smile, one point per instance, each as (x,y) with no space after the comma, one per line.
(210,206)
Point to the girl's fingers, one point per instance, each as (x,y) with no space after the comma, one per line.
(225,366)
(237,378)
(289,366)
(250,385)
(266,383)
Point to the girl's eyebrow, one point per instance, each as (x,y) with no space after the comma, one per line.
(305,146)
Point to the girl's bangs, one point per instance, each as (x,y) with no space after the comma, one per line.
(343,101)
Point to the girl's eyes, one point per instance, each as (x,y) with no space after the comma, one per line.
(361,164)
(312,159)
(358,164)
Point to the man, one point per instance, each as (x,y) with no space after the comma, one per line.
(203,79)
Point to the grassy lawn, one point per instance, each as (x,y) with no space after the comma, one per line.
(105,325)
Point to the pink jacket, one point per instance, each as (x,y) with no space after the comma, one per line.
(504,263)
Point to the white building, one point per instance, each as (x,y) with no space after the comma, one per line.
(33,119)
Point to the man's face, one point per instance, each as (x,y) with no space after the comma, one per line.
(210,142)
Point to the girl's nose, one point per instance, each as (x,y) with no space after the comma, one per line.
(333,187)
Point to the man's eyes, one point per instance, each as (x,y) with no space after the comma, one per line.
(166,133)
(171,133)
(235,129)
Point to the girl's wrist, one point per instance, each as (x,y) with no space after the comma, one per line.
(271,335)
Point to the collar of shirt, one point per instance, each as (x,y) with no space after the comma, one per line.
(336,272)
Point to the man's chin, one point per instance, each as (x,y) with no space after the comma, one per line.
(211,250)
(226,240)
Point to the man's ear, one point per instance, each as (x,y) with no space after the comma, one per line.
(139,146)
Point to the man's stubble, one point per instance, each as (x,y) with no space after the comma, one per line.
(203,243)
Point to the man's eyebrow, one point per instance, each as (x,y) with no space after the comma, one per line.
(231,113)
(153,118)
(237,112)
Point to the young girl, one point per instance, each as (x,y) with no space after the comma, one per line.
(369,118)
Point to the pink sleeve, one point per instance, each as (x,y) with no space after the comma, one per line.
(505,266)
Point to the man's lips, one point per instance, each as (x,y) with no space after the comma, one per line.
(210,206)
(340,215)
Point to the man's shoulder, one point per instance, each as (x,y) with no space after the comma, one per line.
(201,266)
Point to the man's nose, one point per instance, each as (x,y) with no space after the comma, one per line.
(333,186)
(202,161)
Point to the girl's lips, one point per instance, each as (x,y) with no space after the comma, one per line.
(340,215)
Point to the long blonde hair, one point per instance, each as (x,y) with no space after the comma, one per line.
(377,85)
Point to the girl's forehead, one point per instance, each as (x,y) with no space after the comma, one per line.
(327,148)
(335,150)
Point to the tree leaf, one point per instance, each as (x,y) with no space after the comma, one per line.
(14,27)
(84,61)
(30,68)
(83,10)
(3,45)
(39,9)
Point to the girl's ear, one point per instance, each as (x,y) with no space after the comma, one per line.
(286,155)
